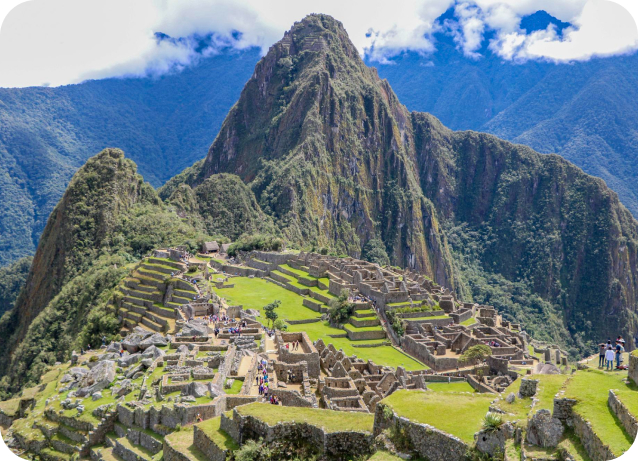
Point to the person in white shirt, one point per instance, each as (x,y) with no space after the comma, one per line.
(609,357)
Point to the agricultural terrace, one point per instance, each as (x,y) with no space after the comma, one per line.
(255,293)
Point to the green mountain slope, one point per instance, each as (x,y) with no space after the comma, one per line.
(335,159)
(46,134)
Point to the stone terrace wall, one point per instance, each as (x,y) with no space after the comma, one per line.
(633,367)
(428,441)
(337,445)
(620,410)
(595,448)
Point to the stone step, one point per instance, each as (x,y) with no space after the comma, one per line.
(130,452)
(105,454)
(151,274)
(152,325)
(173,264)
(167,270)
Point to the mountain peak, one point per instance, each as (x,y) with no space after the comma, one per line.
(316,33)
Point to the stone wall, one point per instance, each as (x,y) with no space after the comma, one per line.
(594,446)
(628,420)
(207,446)
(633,367)
(290,398)
(428,441)
(337,445)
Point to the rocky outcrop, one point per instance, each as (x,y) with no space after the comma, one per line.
(543,430)
(100,376)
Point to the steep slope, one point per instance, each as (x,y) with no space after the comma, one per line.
(46,134)
(328,150)
(107,219)
(582,111)
(335,159)
(220,205)
(12,279)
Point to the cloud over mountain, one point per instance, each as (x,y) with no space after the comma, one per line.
(56,42)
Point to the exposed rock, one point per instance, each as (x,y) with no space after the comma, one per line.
(147,362)
(153,352)
(528,387)
(195,389)
(131,373)
(129,360)
(493,442)
(154,340)
(74,358)
(96,396)
(183,349)
(511,398)
(114,347)
(543,430)
(194,328)
(229,383)
(97,379)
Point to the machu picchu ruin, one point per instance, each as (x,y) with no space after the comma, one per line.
(200,371)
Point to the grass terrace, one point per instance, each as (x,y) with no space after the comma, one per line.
(463,412)
(329,420)
(462,386)
(213,430)
(591,389)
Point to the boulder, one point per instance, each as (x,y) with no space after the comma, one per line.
(543,430)
(109,356)
(74,374)
(96,396)
(511,398)
(194,328)
(196,389)
(134,371)
(128,360)
(528,387)
(154,340)
(153,352)
(114,347)
(147,362)
(100,376)
(492,442)
(74,358)
(183,349)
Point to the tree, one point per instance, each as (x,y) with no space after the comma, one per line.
(476,354)
(280,324)
(340,308)
(374,251)
(270,311)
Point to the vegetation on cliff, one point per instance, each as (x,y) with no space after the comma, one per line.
(12,279)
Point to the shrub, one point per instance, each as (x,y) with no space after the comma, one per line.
(374,252)
(263,242)
(492,421)
(340,308)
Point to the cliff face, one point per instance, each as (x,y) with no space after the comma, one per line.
(335,159)
(329,151)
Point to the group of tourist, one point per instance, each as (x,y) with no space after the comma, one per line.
(295,346)
(262,378)
(608,353)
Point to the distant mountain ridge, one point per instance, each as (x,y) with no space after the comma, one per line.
(582,111)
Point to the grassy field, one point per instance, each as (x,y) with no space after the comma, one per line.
(255,293)
(462,386)
(463,413)
(331,421)
(591,389)
(236,387)
(212,428)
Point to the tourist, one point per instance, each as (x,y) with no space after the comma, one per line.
(121,352)
(601,355)
(609,357)
(199,418)
(619,350)
(103,341)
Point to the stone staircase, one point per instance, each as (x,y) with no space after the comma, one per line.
(150,296)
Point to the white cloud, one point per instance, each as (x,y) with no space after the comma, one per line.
(67,41)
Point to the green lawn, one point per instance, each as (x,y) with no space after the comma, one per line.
(298,272)
(463,413)
(381,355)
(591,389)
(461,386)
(329,420)
(235,388)
(468,322)
(212,429)
(256,293)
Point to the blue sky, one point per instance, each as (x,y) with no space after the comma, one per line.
(57,42)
